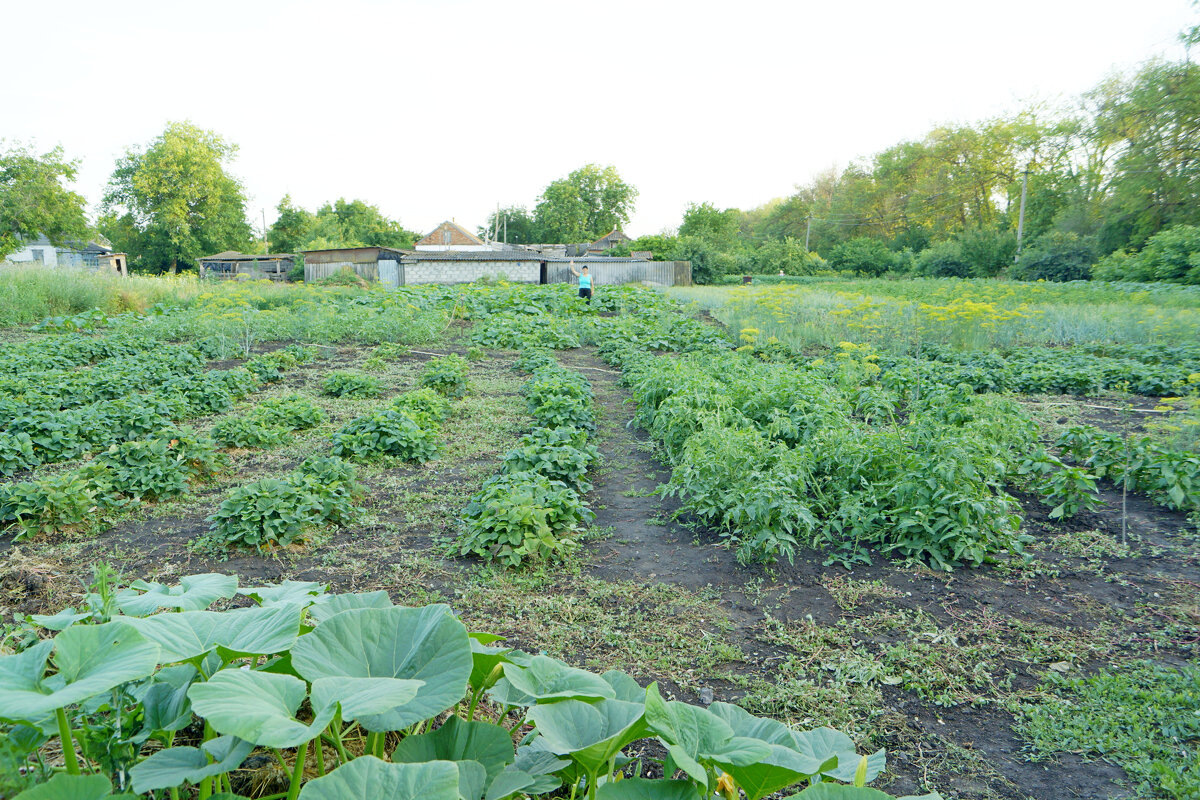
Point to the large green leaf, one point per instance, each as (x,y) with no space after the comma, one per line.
(337,603)
(459,740)
(834,791)
(241,632)
(625,687)
(472,780)
(825,743)
(302,593)
(368,778)
(193,593)
(590,733)
(548,679)
(175,765)
(90,659)
(259,707)
(60,621)
(505,694)
(71,787)
(643,789)
(364,697)
(426,644)
(165,706)
(484,661)
(791,760)
(696,737)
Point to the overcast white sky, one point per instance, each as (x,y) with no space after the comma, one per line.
(433,110)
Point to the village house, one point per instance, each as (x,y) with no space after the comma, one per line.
(76,255)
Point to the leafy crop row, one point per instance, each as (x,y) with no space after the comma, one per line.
(373,701)
(532,509)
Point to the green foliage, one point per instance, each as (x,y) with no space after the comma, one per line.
(943,260)
(273,512)
(1171,255)
(294,412)
(514,225)
(708,263)
(1055,257)
(862,256)
(786,254)
(1146,719)
(49,505)
(522,516)
(401,676)
(351,384)
(425,405)
(447,375)
(585,205)
(386,433)
(714,227)
(1170,476)
(1068,490)
(248,431)
(561,454)
(987,250)
(173,202)
(34,202)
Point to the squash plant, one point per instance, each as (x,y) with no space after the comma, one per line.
(358,699)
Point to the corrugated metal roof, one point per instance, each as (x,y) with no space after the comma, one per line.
(411,256)
(233,255)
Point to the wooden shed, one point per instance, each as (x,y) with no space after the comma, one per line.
(369,263)
(248,266)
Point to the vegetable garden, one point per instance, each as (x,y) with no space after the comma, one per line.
(490,541)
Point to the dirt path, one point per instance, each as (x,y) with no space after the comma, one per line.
(964,750)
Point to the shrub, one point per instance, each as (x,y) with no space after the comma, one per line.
(943,260)
(294,412)
(276,512)
(1121,266)
(423,405)
(446,375)
(50,504)
(386,433)
(862,256)
(786,254)
(987,251)
(476,353)
(247,431)
(350,384)
(1055,256)
(148,469)
(520,516)
(708,263)
(560,454)
(1173,255)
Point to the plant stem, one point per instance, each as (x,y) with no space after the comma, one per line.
(68,744)
(298,772)
(320,756)
(471,708)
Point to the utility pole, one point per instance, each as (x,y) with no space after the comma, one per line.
(264,219)
(1021,216)
(807,231)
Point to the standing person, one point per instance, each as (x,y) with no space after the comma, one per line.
(585,282)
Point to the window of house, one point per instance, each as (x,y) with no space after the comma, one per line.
(38,256)
(446,237)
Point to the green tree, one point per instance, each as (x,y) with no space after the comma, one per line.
(292,227)
(34,199)
(718,228)
(862,256)
(515,224)
(585,205)
(174,202)
(355,223)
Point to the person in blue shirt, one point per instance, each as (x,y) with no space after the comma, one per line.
(585,282)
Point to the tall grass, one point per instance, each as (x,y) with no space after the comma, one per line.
(897,315)
(29,294)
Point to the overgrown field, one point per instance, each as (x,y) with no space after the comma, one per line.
(951,525)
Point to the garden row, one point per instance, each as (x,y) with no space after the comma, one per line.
(276,512)
(534,507)
(356,699)
(150,460)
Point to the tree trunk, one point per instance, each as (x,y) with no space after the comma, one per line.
(174,265)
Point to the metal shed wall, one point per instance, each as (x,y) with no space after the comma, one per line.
(665,273)
(414,271)
(368,271)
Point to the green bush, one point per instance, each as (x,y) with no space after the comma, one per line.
(275,512)
(987,251)
(351,384)
(1055,256)
(247,431)
(943,260)
(522,515)
(149,469)
(786,254)
(423,405)
(294,412)
(862,256)
(446,375)
(49,505)
(560,454)
(386,433)
(1173,255)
